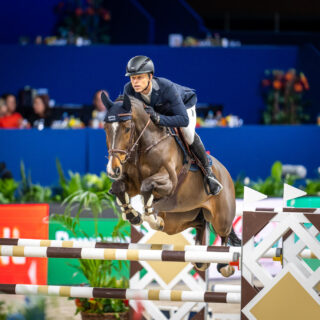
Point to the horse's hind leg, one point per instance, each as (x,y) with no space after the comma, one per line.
(225,269)
(221,220)
(200,240)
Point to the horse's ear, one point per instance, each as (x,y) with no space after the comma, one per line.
(105,100)
(126,103)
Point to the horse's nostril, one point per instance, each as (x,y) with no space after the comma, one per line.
(117,171)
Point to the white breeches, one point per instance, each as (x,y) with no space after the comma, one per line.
(189,131)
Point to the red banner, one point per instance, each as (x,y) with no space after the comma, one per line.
(24,221)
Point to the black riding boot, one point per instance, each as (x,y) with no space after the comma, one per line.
(198,149)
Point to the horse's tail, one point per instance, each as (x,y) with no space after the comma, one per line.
(233,239)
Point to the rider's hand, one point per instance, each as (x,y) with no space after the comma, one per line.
(155,117)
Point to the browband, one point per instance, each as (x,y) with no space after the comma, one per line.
(121,117)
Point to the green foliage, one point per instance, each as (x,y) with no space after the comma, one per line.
(3,315)
(100,306)
(8,188)
(91,193)
(82,189)
(271,186)
(34,309)
(276,171)
(239,187)
(77,184)
(78,191)
(30,192)
(313,187)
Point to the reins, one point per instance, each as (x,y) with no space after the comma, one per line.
(128,152)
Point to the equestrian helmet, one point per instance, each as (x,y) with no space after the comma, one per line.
(139,65)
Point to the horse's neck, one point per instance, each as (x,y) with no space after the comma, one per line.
(151,139)
(150,134)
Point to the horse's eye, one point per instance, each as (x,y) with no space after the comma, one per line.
(127,129)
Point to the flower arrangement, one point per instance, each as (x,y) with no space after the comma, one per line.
(83,19)
(102,308)
(283,94)
(219,121)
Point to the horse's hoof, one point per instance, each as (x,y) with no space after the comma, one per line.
(136,220)
(227,271)
(201,266)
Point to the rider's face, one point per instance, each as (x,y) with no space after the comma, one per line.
(140,81)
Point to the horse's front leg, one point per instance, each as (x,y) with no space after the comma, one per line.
(162,185)
(123,200)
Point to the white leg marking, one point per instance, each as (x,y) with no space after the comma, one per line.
(114,128)
(155,223)
(127,198)
(149,203)
(118,202)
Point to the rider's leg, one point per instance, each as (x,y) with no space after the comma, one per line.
(198,149)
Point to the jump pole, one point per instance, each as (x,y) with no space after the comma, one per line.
(119,254)
(271,253)
(124,294)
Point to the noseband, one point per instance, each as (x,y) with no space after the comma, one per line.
(128,152)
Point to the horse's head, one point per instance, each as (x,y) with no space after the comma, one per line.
(119,133)
(125,119)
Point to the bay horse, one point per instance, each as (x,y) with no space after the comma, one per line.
(145,159)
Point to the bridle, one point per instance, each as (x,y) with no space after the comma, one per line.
(132,145)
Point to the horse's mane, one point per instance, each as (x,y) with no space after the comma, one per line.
(137,106)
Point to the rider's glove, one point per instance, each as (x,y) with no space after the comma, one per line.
(155,116)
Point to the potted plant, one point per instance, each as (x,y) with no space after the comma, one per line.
(95,196)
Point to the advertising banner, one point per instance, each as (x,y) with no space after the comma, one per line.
(65,271)
(24,221)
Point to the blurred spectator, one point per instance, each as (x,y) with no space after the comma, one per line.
(41,117)
(3,108)
(4,172)
(99,111)
(12,119)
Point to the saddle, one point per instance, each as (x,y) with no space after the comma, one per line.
(195,165)
(190,163)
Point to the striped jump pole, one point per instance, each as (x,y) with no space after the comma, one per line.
(226,288)
(124,294)
(120,254)
(113,245)
(271,253)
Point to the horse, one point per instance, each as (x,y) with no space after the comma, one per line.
(144,159)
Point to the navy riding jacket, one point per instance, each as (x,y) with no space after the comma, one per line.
(169,99)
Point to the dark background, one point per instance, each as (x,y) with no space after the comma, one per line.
(147,21)
(229,77)
(274,35)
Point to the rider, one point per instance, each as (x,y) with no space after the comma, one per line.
(169,105)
